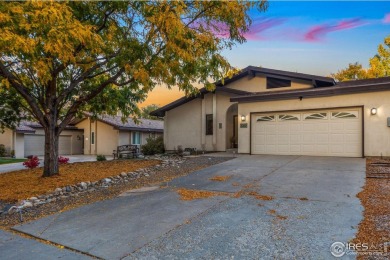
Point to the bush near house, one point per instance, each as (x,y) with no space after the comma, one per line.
(32,162)
(63,160)
(3,151)
(153,146)
(100,158)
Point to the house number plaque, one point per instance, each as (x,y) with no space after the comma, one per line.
(244,125)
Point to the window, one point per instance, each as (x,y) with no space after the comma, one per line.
(294,117)
(93,138)
(209,124)
(278,83)
(136,138)
(316,116)
(265,118)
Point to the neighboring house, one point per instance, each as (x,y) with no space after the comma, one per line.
(83,136)
(105,134)
(266,111)
(29,139)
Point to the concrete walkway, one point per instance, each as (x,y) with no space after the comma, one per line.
(314,205)
(72,159)
(15,247)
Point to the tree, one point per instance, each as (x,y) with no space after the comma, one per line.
(354,71)
(380,63)
(62,58)
(379,66)
(145,111)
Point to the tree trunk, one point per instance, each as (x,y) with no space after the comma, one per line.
(50,167)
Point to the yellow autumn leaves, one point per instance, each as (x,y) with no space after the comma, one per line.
(30,29)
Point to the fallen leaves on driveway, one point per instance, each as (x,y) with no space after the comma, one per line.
(190,194)
(220,178)
(186,194)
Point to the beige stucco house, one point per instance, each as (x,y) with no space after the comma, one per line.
(83,136)
(266,111)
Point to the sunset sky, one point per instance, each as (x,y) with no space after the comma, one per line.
(317,37)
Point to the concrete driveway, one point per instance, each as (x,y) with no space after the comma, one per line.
(314,205)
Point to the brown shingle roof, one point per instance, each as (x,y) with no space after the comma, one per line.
(144,125)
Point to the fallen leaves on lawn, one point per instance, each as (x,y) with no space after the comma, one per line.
(24,184)
(220,178)
(187,194)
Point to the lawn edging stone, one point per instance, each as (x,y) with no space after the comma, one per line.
(80,188)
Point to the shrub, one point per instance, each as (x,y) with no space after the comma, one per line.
(63,160)
(153,146)
(100,157)
(3,151)
(180,150)
(32,162)
(12,153)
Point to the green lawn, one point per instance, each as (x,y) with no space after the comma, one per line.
(10,160)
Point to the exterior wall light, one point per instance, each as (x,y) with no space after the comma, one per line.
(374,111)
(243,118)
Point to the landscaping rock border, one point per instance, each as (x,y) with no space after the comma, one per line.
(88,186)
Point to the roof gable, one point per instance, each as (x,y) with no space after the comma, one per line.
(250,71)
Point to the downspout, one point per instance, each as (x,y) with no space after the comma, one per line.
(214,120)
(203,124)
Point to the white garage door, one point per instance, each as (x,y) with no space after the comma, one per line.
(35,145)
(321,133)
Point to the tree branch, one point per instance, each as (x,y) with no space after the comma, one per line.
(22,90)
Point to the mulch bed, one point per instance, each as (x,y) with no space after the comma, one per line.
(162,176)
(375,197)
(378,167)
(23,184)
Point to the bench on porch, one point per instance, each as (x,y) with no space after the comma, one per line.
(128,149)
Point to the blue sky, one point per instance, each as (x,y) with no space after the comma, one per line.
(317,37)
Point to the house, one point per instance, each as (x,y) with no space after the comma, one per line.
(267,111)
(106,133)
(83,136)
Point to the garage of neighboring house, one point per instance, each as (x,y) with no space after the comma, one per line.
(35,145)
(336,132)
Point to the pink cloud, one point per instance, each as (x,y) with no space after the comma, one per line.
(387,18)
(260,26)
(316,33)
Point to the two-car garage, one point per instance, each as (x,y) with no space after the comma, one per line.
(330,132)
(70,142)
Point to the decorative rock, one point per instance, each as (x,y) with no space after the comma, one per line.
(83,185)
(123,174)
(146,175)
(58,190)
(107,180)
(27,204)
(33,198)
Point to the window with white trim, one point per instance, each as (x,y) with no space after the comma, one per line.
(136,138)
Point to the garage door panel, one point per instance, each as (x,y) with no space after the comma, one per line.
(313,133)
(283,139)
(35,145)
(352,126)
(322,138)
(295,148)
